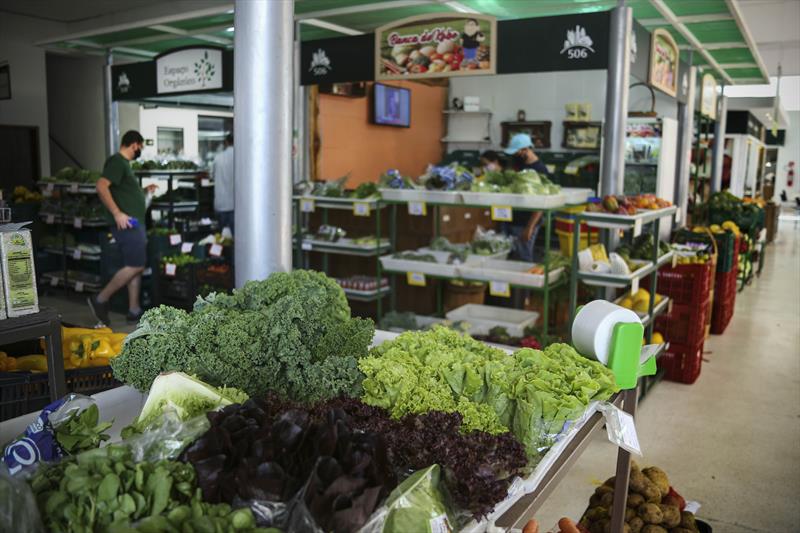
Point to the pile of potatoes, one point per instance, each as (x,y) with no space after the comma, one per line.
(651,506)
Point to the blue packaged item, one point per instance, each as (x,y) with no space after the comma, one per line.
(134,222)
(39,442)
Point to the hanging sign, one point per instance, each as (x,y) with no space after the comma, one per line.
(664,57)
(433,46)
(708,96)
(339,59)
(189,69)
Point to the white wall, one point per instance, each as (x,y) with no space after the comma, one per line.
(76,110)
(28,103)
(790,151)
(151,119)
(543,97)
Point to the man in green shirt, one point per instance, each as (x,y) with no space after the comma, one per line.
(120,192)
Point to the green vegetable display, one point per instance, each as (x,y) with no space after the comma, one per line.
(180,260)
(532,393)
(82,431)
(510,181)
(417,504)
(291,333)
(105,490)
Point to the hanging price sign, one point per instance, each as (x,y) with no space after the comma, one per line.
(78,222)
(417,209)
(500,288)
(186,248)
(502,213)
(361,209)
(53,281)
(73,188)
(634,285)
(175,239)
(215,250)
(637,227)
(306,246)
(170,269)
(205,182)
(76,254)
(78,286)
(307,205)
(417,279)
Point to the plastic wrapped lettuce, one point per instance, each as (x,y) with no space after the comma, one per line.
(533,393)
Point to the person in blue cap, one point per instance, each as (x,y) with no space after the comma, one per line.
(523,227)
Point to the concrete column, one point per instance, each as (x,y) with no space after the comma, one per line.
(685,145)
(111,110)
(613,156)
(262,95)
(719,143)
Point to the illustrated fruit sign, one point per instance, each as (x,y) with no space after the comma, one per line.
(431,46)
(664,62)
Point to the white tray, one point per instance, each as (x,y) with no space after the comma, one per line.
(422,195)
(482,318)
(513,272)
(576,196)
(440,268)
(522,201)
(472,257)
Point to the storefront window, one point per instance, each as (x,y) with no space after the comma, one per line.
(211,133)
(170,142)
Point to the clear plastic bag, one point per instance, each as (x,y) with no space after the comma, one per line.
(167,438)
(18,509)
(489,242)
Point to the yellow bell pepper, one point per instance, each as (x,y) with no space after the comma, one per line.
(101,348)
(35,362)
(99,361)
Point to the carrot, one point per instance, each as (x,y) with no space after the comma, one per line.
(567,526)
(531,527)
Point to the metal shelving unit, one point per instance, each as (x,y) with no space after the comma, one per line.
(171,206)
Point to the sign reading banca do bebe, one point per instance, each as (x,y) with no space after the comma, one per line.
(189,69)
(431,46)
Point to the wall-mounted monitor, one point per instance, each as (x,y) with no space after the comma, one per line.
(391,106)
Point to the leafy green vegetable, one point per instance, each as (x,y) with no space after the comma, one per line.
(187,396)
(532,393)
(417,503)
(291,333)
(82,431)
(509,181)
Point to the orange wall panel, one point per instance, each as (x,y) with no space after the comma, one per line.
(349,143)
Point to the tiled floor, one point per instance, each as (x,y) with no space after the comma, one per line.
(75,311)
(730,441)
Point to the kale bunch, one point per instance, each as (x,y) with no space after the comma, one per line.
(291,333)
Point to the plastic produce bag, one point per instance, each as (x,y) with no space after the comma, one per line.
(39,442)
(489,242)
(18,510)
(417,504)
(167,438)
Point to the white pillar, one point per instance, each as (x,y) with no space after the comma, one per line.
(111,111)
(262,96)
(719,143)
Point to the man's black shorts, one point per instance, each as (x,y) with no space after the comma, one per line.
(133,245)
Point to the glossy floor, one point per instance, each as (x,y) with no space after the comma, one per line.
(730,441)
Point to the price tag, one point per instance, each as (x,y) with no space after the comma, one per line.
(170,269)
(361,209)
(53,281)
(306,246)
(307,205)
(637,227)
(669,307)
(500,288)
(73,188)
(417,209)
(76,254)
(417,279)
(78,222)
(674,259)
(78,286)
(502,213)
(634,285)
(571,169)
(175,239)
(215,250)
(678,216)
(50,219)
(205,182)
(186,248)
(621,428)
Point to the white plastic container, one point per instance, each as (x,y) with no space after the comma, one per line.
(422,195)
(482,318)
(575,195)
(439,268)
(513,272)
(530,201)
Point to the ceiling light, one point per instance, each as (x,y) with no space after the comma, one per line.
(461,8)
(229,29)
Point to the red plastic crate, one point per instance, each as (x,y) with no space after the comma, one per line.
(720,319)
(686,284)
(682,363)
(684,324)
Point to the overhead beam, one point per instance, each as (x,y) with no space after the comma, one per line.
(331,26)
(185,33)
(733,7)
(749,64)
(725,45)
(164,37)
(363,8)
(667,13)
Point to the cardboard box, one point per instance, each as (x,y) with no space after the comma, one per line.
(20,295)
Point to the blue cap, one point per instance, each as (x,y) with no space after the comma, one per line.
(518,142)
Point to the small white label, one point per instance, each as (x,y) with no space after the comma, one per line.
(53,281)
(571,169)
(76,254)
(186,248)
(306,246)
(175,239)
(361,209)
(502,213)
(307,205)
(634,285)
(73,188)
(205,182)
(499,288)
(678,216)
(170,269)
(445,218)
(621,428)
(78,286)
(50,219)
(215,250)
(147,272)
(78,222)
(674,260)
(417,209)
(637,227)
(692,507)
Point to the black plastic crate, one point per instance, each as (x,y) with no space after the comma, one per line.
(91,380)
(22,393)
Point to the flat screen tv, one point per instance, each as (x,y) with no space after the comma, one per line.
(391,106)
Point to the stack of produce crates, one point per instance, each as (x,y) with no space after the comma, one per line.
(725,286)
(565,221)
(689,287)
